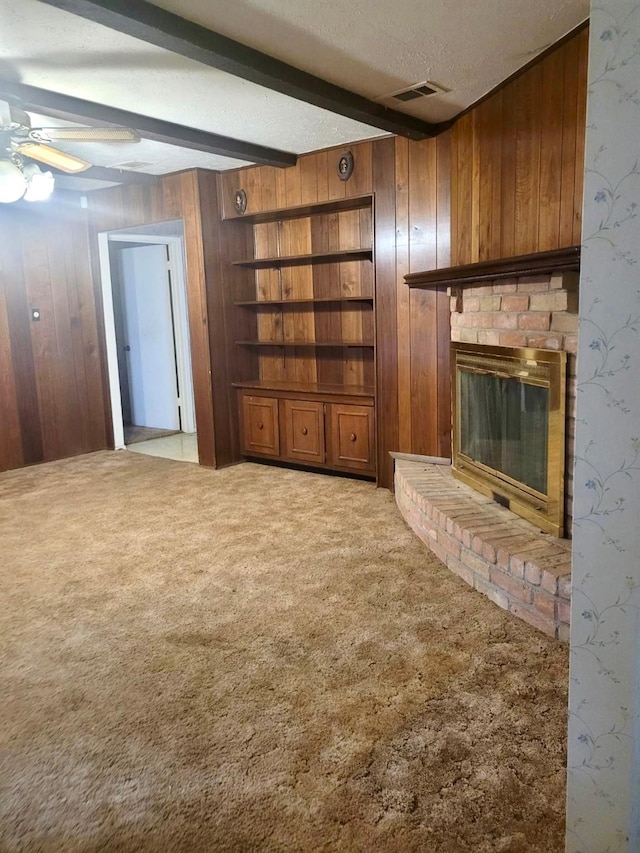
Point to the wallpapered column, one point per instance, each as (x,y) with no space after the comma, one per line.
(604,719)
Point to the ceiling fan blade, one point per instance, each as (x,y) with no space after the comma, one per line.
(84,134)
(52,157)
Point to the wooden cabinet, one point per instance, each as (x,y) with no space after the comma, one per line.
(259,425)
(304,430)
(351,437)
(309,430)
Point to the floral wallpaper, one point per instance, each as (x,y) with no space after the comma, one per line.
(603,796)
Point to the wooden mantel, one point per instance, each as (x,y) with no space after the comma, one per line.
(556,260)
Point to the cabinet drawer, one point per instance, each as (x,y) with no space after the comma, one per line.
(260,431)
(351,437)
(303,430)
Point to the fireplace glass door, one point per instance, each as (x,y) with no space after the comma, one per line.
(508,427)
(504,424)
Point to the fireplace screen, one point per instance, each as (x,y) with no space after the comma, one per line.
(509,428)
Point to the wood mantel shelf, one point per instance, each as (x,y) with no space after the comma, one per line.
(556,260)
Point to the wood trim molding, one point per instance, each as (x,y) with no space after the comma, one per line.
(556,260)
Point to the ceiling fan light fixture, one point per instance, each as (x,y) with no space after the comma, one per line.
(40,184)
(13,183)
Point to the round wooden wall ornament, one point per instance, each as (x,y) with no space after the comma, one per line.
(240,201)
(345,166)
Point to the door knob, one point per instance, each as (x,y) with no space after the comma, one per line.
(353,436)
(260,425)
(303,430)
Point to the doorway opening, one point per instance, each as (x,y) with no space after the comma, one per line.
(147,336)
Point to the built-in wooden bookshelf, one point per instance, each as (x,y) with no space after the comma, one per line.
(307,284)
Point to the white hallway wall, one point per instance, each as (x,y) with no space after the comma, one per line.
(603,805)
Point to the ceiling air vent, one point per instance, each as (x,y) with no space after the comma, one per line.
(412,93)
(130,164)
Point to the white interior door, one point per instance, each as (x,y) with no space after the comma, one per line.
(150,343)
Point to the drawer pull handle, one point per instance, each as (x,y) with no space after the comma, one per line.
(353,437)
(303,430)
(260,425)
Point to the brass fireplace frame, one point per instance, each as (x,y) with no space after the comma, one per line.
(545,368)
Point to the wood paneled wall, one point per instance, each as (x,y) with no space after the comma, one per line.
(517,162)
(507,179)
(51,382)
(410,183)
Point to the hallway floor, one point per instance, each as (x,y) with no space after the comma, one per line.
(182,446)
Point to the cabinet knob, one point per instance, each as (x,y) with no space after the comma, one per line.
(353,437)
(303,430)
(260,425)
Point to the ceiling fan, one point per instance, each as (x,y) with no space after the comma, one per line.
(18,139)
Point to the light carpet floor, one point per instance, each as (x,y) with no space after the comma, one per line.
(257,659)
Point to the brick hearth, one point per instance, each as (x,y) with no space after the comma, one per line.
(504,557)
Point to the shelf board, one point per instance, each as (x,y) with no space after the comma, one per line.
(300,260)
(306,387)
(300,210)
(305,343)
(327,300)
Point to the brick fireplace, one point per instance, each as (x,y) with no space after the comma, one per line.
(538,311)
(530,301)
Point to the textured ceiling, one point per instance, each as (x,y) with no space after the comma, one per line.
(372,47)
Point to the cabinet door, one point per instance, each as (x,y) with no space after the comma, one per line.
(351,432)
(304,430)
(259,417)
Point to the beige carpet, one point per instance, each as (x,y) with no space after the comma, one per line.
(257,659)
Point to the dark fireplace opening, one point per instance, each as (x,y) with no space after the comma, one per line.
(508,427)
(503,425)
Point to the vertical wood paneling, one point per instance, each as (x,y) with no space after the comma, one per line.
(322,166)
(515,158)
(308,180)
(403,308)
(220,310)
(463,165)
(515,184)
(501,182)
(528,133)
(423,255)
(44,257)
(10,441)
(443,251)
(551,152)
(326,282)
(43,343)
(360,182)
(483,164)
(268,187)
(507,209)
(17,308)
(386,307)
(580,124)
(198,316)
